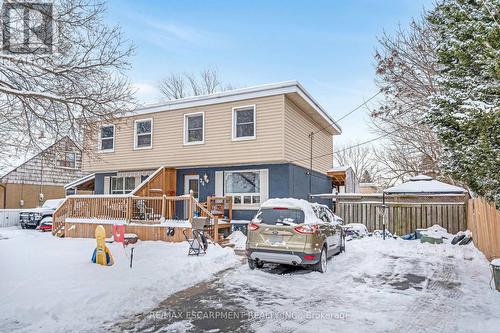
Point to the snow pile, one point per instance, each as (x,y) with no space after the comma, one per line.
(436,232)
(238,239)
(48,284)
(380,234)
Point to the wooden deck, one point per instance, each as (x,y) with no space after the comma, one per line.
(145,216)
(146,211)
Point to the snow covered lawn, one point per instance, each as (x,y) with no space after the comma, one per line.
(49,284)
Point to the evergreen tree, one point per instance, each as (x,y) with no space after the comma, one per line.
(466,111)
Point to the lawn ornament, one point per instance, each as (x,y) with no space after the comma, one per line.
(119,233)
(102,255)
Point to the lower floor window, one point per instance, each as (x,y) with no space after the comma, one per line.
(243,186)
(122,185)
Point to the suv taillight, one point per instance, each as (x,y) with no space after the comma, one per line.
(306,229)
(253,227)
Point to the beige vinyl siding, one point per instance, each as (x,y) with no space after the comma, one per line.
(298,126)
(218,149)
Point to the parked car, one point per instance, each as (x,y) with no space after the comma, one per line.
(355,230)
(41,216)
(293,232)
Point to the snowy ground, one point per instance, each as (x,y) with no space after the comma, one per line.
(48,284)
(376,286)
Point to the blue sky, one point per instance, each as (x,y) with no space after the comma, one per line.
(326,45)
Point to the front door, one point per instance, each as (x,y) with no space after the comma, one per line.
(191,182)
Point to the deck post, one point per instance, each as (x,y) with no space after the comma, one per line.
(190,207)
(216,229)
(163,206)
(229,200)
(209,203)
(130,207)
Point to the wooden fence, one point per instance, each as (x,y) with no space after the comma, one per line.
(404,214)
(483,219)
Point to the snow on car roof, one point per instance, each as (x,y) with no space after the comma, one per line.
(291,203)
(52,203)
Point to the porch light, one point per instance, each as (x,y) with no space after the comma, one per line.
(204,180)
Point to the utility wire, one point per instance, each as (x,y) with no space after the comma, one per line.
(358,107)
(352,111)
(345,149)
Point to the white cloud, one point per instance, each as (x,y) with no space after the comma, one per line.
(169,35)
(147,92)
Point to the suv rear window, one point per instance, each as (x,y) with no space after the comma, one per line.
(280,216)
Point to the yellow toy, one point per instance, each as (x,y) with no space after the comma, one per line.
(102,255)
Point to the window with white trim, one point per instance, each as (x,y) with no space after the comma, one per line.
(243,186)
(244,123)
(107,142)
(193,128)
(122,185)
(143,134)
(67,160)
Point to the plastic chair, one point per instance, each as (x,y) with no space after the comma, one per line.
(198,244)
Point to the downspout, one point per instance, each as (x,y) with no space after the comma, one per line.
(310,166)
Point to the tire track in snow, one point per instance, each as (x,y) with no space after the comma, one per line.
(434,310)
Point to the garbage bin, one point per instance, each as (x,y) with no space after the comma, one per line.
(495,267)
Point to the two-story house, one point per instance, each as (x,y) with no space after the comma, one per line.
(252,144)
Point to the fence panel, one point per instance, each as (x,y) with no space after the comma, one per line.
(9,217)
(483,219)
(405,217)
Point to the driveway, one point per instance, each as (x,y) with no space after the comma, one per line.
(376,286)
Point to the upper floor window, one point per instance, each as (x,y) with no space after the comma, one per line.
(107,139)
(143,134)
(193,128)
(67,160)
(244,123)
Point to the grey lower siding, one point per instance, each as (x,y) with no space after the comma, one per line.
(99,181)
(285,180)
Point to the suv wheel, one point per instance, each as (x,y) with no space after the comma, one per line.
(253,264)
(321,265)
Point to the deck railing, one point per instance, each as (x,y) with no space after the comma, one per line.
(213,227)
(130,209)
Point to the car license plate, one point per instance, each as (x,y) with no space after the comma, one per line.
(275,239)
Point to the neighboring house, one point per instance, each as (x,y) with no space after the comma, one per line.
(369,188)
(252,144)
(344,179)
(42,177)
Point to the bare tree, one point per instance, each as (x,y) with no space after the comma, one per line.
(176,85)
(407,75)
(360,158)
(48,95)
